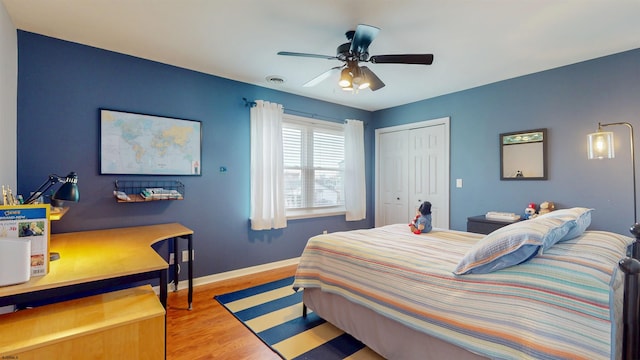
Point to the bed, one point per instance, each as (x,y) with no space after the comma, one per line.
(431,296)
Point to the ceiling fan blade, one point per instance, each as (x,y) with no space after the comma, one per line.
(288,53)
(322,77)
(362,38)
(374,81)
(419,59)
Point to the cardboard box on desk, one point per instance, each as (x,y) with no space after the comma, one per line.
(32,222)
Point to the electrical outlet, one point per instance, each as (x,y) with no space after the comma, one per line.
(185,255)
(172,258)
(7,309)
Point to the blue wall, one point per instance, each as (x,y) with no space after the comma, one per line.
(569,102)
(61,86)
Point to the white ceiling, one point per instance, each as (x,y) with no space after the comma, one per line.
(474,42)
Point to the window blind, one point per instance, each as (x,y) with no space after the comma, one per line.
(313,163)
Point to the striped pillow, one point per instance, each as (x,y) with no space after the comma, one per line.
(512,245)
(579,216)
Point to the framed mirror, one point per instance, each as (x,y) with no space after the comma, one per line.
(523,155)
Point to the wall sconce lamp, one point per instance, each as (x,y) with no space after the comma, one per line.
(67,192)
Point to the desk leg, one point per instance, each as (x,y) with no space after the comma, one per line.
(164,278)
(190,295)
(163,287)
(189,265)
(175,264)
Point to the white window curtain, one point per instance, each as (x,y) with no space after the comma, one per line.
(355,191)
(267,170)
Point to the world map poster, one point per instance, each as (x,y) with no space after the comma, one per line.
(140,144)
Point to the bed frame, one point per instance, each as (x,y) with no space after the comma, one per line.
(631,268)
(631,308)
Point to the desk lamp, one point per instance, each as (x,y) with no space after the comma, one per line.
(68,191)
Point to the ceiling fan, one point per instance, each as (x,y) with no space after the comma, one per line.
(353,76)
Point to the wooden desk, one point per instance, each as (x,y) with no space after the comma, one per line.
(98,259)
(57,213)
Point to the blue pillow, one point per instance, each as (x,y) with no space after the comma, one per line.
(512,245)
(579,217)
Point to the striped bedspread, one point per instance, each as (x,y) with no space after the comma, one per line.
(565,303)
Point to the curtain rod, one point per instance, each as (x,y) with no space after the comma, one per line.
(248,103)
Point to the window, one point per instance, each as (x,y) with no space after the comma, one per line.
(313,154)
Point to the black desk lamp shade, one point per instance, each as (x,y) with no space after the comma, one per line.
(68,191)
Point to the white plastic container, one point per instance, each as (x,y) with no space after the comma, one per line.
(15,265)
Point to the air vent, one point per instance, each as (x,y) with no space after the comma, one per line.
(275,79)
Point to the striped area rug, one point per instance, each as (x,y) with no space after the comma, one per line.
(273,311)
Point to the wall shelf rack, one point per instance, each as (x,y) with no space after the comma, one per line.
(127,191)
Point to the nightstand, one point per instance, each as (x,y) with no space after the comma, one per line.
(481,225)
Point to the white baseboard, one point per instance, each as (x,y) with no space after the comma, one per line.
(184,284)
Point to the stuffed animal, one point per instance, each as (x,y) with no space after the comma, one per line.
(546,207)
(530,211)
(422,222)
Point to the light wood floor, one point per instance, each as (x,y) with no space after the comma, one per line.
(209,331)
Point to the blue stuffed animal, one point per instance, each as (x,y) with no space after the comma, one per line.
(422,222)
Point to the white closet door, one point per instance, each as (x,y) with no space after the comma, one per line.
(428,176)
(394,193)
(412,166)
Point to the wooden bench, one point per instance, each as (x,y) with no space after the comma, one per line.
(125,324)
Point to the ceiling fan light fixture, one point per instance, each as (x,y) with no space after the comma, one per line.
(354,77)
(345,78)
(360,80)
(344,84)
